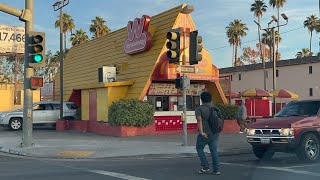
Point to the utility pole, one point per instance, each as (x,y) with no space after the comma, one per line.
(58,6)
(274,59)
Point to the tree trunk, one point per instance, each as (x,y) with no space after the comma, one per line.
(310,42)
(65,42)
(236,54)
(15,78)
(232,58)
(260,45)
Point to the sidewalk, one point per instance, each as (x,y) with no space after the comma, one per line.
(69,144)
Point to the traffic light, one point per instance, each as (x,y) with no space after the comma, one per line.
(36,82)
(195,48)
(178,83)
(37,51)
(173,45)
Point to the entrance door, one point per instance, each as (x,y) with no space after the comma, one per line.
(92,105)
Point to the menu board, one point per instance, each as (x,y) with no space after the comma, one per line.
(163,89)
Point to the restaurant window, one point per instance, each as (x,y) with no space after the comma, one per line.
(239,77)
(173,103)
(311,92)
(277,73)
(310,69)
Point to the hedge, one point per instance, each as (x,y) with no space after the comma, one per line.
(228,111)
(131,112)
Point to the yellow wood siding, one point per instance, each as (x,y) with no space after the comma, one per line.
(82,61)
(85,104)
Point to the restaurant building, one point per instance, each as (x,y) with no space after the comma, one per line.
(131,63)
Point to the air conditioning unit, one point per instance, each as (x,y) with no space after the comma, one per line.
(107,74)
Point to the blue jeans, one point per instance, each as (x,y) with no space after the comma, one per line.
(212,142)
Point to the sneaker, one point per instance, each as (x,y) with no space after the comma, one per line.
(240,132)
(216,173)
(204,170)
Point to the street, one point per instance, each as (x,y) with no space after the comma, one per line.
(240,167)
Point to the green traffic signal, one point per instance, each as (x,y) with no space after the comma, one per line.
(37,58)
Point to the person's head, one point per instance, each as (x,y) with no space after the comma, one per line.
(206,97)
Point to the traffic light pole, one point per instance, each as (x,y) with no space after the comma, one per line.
(184,92)
(28,72)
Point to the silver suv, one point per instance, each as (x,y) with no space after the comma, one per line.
(43,113)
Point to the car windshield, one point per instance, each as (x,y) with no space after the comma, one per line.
(300,109)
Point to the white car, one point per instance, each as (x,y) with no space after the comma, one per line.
(43,113)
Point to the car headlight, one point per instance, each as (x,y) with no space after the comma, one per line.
(251,132)
(286,131)
(3,115)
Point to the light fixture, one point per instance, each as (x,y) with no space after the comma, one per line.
(285,17)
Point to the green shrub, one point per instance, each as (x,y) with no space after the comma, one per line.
(228,111)
(131,112)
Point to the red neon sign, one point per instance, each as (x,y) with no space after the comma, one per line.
(139,39)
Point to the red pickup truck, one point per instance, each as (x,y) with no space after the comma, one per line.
(295,129)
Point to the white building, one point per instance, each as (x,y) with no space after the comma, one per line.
(301,76)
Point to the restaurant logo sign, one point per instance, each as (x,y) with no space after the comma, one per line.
(139,38)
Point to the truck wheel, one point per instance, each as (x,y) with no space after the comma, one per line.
(262,152)
(308,149)
(15,124)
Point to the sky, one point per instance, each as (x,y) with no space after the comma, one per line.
(211,17)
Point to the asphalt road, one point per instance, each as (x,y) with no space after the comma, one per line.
(244,167)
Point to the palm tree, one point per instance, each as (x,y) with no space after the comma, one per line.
(79,37)
(231,40)
(258,8)
(277,4)
(311,23)
(235,31)
(305,52)
(267,39)
(98,27)
(68,26)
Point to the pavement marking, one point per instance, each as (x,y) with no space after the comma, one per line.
(307,165)
(117,175)
(276,169)
(75,154)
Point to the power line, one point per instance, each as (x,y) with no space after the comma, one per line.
(246,42)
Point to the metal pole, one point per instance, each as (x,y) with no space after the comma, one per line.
(184,92)
(61,65)
(28,72)
(274,58)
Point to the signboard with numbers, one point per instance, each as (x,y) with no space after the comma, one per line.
(12,39)
(163,89)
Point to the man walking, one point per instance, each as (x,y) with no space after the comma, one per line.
(242,117)
(206,136)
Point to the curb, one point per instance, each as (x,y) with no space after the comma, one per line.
(179,155)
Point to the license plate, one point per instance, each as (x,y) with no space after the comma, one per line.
(265,140)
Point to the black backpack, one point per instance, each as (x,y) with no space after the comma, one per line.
(216,120)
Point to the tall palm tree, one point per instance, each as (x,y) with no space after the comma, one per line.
(305,52)
(311,23)
(98,27)
(267,39)
(277,4)
(258,8)
(236,30)
(231,41)
(68,26)
(79,37)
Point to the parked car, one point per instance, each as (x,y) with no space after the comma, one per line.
(43,113)
(295,129)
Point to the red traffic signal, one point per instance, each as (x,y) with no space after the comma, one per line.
(36,82)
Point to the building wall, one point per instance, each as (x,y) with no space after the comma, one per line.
(295,78)
(7,97)
(82,62)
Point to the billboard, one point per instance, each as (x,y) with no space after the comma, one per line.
(12,39)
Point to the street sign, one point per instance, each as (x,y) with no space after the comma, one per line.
(186,69)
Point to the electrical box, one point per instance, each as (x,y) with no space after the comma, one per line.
(107,74)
